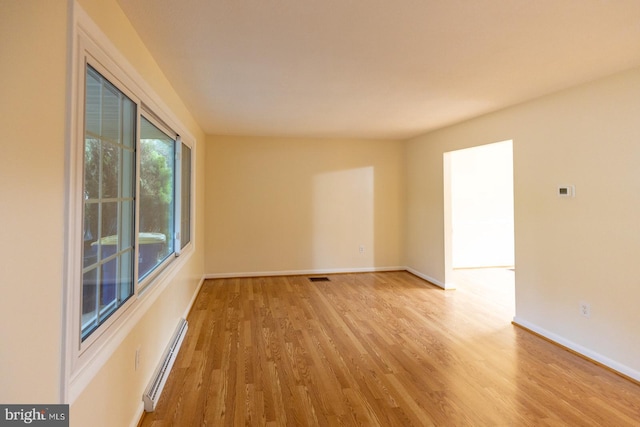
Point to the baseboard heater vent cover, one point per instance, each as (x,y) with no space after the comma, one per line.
(319,279)
(152,393)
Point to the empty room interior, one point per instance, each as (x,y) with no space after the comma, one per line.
(204,161)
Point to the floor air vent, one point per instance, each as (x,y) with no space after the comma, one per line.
(319,279)
(152,393)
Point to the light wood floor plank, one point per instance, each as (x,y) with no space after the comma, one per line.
(376,349)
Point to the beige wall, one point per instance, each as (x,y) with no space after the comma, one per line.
(34,86)
(293,205)
(32,116)
(567,250)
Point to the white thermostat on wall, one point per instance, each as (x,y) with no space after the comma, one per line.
(566,191)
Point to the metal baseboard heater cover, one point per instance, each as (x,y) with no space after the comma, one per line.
(152,393)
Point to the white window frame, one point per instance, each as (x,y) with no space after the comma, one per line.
(82,360)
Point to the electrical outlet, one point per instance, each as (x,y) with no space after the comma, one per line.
(585,309)
(361,249)
(137,358)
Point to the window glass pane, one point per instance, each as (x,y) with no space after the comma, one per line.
(90,298)
(108,215)
(126,225)
(125,275)
(108,241)
(111,113)
(108,282)
(129,118)
(156,219)
(92,168)
(110,170)
(89,232)
(185,196)
(93,107)
(128,168)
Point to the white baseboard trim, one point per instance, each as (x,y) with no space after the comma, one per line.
(587,353)
(301,272)
(430,279)
(329,271)
(138,417)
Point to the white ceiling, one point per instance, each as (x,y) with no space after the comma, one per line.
(377,68)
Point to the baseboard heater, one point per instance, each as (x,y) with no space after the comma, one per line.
(152,393)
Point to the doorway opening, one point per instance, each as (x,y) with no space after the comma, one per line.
(479,219)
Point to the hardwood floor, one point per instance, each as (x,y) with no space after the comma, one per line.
(379,349)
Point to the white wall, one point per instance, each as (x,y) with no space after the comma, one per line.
(567,250)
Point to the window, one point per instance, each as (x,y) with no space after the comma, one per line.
(130,195)
(157,204)
(108,211)
(136,211)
